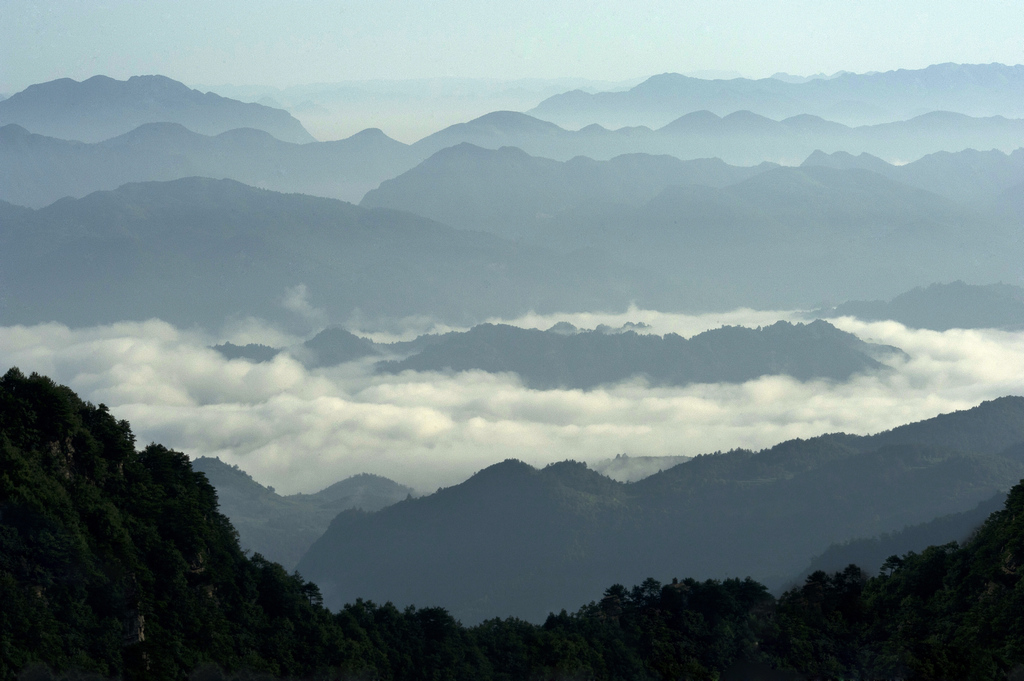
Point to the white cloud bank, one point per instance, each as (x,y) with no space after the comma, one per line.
(301,430)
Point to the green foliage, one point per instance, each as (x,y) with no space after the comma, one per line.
(116,563)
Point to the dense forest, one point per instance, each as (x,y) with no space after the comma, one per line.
(116,562)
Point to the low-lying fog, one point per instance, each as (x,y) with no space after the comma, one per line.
(301,430)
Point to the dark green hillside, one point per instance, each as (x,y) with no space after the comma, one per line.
(869,553)
(763,514)
(117,561)
(949,612)
(509,533)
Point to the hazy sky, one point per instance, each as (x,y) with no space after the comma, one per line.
(303,41)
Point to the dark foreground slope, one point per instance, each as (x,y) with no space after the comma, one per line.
(195,251)
(116,563)
(513,540)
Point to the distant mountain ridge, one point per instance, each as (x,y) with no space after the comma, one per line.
(739,137)
(545,360)
(282,528)
(587,359)
(943,306)
(100,108)
(870,553)
(507,190)
(120,255)
(967,176)
(973,89)
(719,233)
(36,170)
(514,540)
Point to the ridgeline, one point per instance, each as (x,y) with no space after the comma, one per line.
(116,562)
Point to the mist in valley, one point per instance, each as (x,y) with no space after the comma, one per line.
(441,340)
(297,428)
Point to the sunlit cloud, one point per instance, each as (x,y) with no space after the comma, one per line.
(300,429)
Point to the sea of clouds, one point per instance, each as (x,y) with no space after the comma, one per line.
(302,429)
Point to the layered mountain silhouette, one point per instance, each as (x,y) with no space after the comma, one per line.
(870,553)
(514,540)
(196,251)
(740,137)
(36,170)
(547,359)
(944,306)
(586,359)
(968,176)
(281,528)
(973,89)
(100,108)
(720,233)
(507,191)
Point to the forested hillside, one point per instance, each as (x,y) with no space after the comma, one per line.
(116,562)
(515,540)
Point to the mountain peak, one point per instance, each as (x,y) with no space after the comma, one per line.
(101,107)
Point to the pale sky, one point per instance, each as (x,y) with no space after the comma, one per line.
(306,41)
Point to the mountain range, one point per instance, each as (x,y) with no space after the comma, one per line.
(282,528)
(116,563)
(100,108)
(973,89)
(546,359)
(581,359)
(869,553)
(739,137)
(515,540)
(943,306)
(36,170)
(968,176)
(197,251)
(814,232)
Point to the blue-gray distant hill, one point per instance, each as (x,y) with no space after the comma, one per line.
(547,359)
(281,528)
(871,552)
(969,176)
(100,108)
(739,137)
(510,192)
(870,98)
(197,251)
(36,170)
(515,540)
(725,235)
(944,306)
